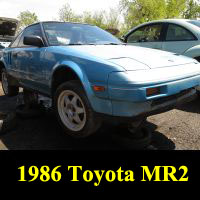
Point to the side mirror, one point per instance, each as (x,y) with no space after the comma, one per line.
(33,41)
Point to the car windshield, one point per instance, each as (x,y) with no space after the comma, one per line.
(59,34)
(195,22)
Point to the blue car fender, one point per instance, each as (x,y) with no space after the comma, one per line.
(99,105)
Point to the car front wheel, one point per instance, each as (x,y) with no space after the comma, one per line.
(73,110)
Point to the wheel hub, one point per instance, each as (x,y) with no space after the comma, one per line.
(71,110)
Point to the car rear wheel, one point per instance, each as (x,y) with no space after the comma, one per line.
(7,88)
(73,110)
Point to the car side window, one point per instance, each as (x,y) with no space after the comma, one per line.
(15,43)
(178,33)
(150,33)
(34,30)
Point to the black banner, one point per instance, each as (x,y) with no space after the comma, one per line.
(98,170)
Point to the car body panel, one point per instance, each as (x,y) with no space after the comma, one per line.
(154,45)
(136,92)
(147,108)
(124,71)
(179,46)
(132,58)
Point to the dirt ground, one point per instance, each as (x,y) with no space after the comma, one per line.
(177,129)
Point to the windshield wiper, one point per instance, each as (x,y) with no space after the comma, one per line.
(75,44)
(82,44)
(111,43)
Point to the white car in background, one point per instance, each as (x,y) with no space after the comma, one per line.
(181,36)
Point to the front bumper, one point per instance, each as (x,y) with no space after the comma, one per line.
(126,92)
(130,111)
(136,92)
(129,97)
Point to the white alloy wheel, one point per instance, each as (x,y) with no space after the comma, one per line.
(71,110)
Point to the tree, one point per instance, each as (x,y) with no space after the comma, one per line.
(139,11)
(26,18)
(112,18)
(175,8)
(66,14)
(97,18)
(100,18)
(192,10)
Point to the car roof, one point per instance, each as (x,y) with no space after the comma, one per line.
(58,22)
(177,21)
(170,20)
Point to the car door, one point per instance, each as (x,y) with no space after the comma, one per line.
(149,36)
(30,61)
(178,39)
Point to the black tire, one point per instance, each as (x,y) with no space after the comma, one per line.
(135,127)
(92,123)
(128,141)
(11,90)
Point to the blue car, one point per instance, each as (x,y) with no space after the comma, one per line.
(92,76)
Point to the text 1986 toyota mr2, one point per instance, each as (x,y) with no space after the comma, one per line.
(89,73)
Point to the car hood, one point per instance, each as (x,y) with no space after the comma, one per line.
(134,58)
(8,27)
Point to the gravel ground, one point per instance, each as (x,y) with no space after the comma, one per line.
(177,129)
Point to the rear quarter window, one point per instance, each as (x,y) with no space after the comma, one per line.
(178,33)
